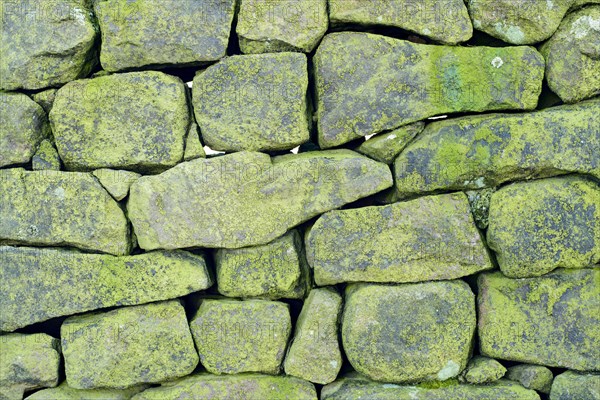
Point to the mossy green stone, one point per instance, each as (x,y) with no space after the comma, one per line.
(411,332)
(247,199)
(385,147)
(64,392)
(135,121)
(429,238)
(366,83)
(314,353)
(480,205)
(46,157)
(531,376)
(45,98)
(274,270)
(241,336)
(24,126)
(149,33)
(538,226)
(550,320)
(193,146)
(573,56)
(116,182)
(27,362)
(64,282)
(238,387)
(571,385)
(483,370)
(45,43)
(53,208)
(253,102)
(446,22)
(128,346)
(476,152)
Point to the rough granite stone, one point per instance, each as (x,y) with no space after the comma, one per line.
(531,376)
(135,121)
(246,199)
(482,370)
(193,145)
(550,320)
(366,83)
(64,392)
(46,157)
(45,99)
(409,333)
(53,208)
(131,345)
(253,102)
(116,182)
(571,385)
(385,147)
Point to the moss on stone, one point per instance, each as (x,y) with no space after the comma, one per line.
(480,205)
(536,377)
(572,385)
(116,182)
(482,370)
(64,392)
(46,157)
(385,147)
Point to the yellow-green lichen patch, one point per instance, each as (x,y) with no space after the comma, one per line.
(64,392)
(386,146)
(116,182)
(482,370)
(536,377)
(572,385)
(46,157)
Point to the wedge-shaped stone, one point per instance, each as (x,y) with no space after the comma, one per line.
(239,387)
(53,208)
(131,345)
(572,385)
(64,392)
(46,157)
(162,32)
(367,83)
(116,182)
(550,320)
(246,199)
(253,102)
(531,376)
(538,226)
(386,146)
(485,151)
(409,333)
(135,121)
(45,42)
(64,282)
(429,238)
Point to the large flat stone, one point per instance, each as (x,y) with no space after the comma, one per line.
(64,392)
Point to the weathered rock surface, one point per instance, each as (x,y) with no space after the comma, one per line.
(53,208)
(484,151)
(531,376)
(131,345)
(116,182)
(274,270)
(193,145)
(411,332)
(429,238)
(292,25)
(253,102)
(64,392)
(446,22)
(482,370)
(247,199)
(573,56)
(314,353)
(45,98)
(162,32)
(480,205)
(550,320)
(24,126)
(241,336)
(46,157)
(572,385)
(538,226)
(386,146)
(368,83)
(134,121)
(64,282)
(45,43)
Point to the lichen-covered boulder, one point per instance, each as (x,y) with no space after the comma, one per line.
(24,125)
(116,182)
(53,208)
(538,226)
(274,26)
(64,282)
(239,387)
(386,146)
(246,199)
(366,84)
(409,333)
(446,22)
(314,353)
(46,157)
(536,377)
(550,320)
(274,270)
(475,152)
(482,370)
(429,238)
(27,362)
(134,121)
(571,385)
(241,336)
(131,345)
(45,43)
(253,102)
(573,56)
(64,392)
(150,33)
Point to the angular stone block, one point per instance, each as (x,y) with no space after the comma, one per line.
(531,376)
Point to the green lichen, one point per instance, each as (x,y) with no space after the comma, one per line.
(46,157)
(45,99)
(572,385)
(534,377)
(483,370)
(480,205)
(385,147)
(64,392)
(116,182)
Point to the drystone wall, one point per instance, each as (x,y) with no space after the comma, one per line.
(299,199)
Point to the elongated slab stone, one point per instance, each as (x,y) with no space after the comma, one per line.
(135,121)
(64,392)
(572,385)
(429,238)
(485,151)
(53,208)
(64,282)
(247,199)
(368,83)
(386,146)
(551,320)
(121,348)
(241,387)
